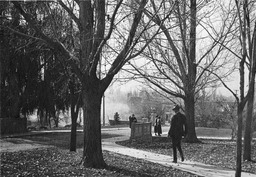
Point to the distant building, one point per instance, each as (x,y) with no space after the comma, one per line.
(149,104)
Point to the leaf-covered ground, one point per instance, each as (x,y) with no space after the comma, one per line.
(54,161)
(215,152)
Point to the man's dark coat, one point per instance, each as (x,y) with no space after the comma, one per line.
(178,126)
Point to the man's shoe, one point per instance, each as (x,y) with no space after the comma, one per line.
(174,161)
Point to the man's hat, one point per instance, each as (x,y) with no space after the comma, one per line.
(177,107)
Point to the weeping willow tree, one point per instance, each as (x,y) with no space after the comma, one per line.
(20,67)
(32,77)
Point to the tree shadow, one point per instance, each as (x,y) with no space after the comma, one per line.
(60,139)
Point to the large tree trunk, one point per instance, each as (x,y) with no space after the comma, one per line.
(14,109)
(239,140)
(190,115)
(73,130)
(56,118)
(191,77)
(1,54)
(74,115)
(92,155)
(248,124)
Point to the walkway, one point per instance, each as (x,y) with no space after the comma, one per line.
(109,144)
(188,166)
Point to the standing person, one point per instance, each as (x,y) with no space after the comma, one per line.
(158,126)
(177,130)
(132,119)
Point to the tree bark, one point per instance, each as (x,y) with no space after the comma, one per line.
(248,127)
(191,77)
(14,96)
(73,130)
(190,117)
(74,114)
(1,54)
(248,124)
(242,101)
(92,153)
(91,94)
(239,140)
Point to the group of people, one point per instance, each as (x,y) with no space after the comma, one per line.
(178,129)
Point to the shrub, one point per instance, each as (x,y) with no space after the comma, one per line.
(116,118)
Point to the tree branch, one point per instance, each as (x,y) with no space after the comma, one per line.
(72,15)
(160,86)
(119,61)
(223,83)
(55,45)
(24,35)
(157,20)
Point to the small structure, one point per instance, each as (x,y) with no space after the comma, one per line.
(141,131)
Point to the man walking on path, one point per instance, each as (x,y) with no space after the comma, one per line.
(177,130)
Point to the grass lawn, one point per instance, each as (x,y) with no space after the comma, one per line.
(62,139)
(213,132)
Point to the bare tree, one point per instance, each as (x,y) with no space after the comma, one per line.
(245,52)
(251,43)
(243,11)
(175,65)
(97,24)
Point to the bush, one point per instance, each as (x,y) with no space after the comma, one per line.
(116,118)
